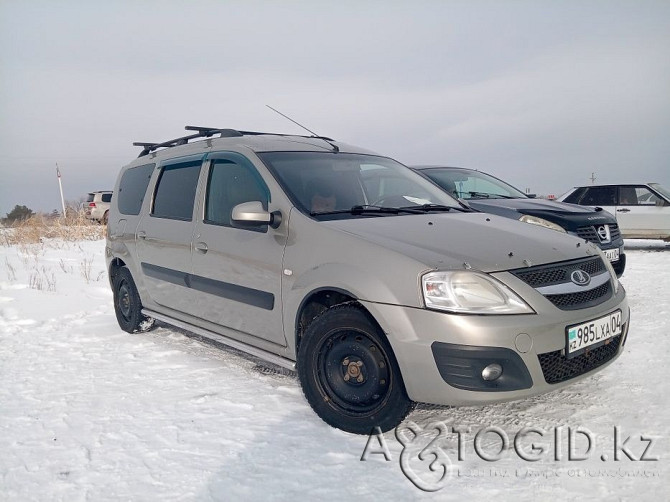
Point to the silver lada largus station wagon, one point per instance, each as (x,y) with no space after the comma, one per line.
(380,289)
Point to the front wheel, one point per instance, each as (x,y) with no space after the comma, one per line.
(349,373)
(127,304)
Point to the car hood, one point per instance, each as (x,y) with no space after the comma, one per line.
(456,240)
(569,216)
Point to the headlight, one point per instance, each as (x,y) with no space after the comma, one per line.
(534,220)
(470,293)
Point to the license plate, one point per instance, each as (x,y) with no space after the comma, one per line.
(612,254)
(592,333)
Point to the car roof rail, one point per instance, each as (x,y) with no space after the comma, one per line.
(207,132)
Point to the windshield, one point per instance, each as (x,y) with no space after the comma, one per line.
(468,184)
(662,190)
(321,183)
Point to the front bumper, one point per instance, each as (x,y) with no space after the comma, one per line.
(528,347)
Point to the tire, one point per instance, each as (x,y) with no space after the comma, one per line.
(127,304)
(105,218)
(349,374)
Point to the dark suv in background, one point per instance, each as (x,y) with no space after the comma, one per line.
(491,195)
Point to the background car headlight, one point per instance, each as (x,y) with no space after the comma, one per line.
(535,220)
(470,293)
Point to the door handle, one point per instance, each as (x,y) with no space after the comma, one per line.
(624,210)
(201,246)
(141,234)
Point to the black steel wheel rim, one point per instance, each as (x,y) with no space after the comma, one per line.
(353,371)
(124,300)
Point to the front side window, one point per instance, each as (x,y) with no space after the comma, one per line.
(322,183)
(133,187)
(599,196)
(232,182)
(175,191)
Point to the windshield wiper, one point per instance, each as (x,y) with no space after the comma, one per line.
(435,207)
(485,195)
(366,209)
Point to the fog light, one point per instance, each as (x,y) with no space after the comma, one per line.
(492,372)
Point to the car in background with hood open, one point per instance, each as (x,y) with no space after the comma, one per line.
(489,194)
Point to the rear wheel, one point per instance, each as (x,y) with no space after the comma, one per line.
(349,373)
(127,304)
(105,218)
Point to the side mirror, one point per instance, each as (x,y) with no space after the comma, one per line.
(252,214)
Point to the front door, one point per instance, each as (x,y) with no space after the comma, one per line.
(236,271)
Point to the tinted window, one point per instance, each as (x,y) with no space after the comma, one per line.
(175,192)
(90,197)
(599,196)
(232,183)
(132,188)
(106,197)
(575,196)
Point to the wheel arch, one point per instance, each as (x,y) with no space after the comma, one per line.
(317,301)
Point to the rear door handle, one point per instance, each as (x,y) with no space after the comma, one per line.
(201,246)
(624,210)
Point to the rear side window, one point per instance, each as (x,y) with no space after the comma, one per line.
(90,197)
(175,192)
(106,197)
(132,188)
(637,196)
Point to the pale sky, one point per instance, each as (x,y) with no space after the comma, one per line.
(539,93)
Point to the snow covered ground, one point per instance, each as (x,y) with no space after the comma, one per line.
(88,412)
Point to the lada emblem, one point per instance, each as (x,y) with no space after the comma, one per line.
(580,278)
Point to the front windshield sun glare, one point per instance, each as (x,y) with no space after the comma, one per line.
(347,185)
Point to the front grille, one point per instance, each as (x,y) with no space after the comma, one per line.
(546,275)
(582,299)
(557,368)
(614,232)
(591,234)
(550,275)
(588,234)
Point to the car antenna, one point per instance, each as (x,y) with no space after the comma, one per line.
(315,135)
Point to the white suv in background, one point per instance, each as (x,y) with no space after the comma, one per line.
(642,210)
(97,205)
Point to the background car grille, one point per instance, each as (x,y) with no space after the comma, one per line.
(590,233)
(557,368)
(549,275)
(614,232)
